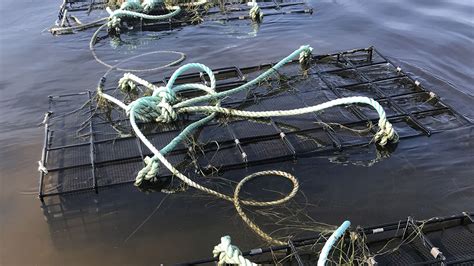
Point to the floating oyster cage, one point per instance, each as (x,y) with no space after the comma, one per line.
(436,241)
(82,10)
(88,148)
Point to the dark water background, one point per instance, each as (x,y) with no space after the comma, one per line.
(425,177)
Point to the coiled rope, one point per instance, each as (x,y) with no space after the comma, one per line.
(164,107)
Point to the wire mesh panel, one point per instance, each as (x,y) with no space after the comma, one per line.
(74,12)
(88,146)
(435,241)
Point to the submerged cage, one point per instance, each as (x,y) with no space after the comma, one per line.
(76,15)
(435,241)
(88,148)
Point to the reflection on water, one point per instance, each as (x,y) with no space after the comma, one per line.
(423,177)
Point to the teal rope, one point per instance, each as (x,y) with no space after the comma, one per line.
(263,76)
(125,13)
(323,256)
(142,108)
(164,106)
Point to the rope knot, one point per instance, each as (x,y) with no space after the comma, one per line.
(230,254)
(149,172)
(305,55)
(126,84)
(386,133)
(158,107)
(131,5)
(256,13)
(113,24)
(149,5)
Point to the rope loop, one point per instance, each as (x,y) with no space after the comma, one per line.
(386,133)
(305,56)
(154,108)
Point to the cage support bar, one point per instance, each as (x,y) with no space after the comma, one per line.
(91,139)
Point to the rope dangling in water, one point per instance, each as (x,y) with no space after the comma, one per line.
(164,107)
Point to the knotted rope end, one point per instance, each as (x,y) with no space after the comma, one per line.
(386,134)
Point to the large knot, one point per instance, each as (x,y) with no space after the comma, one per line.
(305,56)
(230,254)
(256,13)
(149,172)
(386,133)
(158,107)
(149,5)
(113,24)
(132,5)
(127,85)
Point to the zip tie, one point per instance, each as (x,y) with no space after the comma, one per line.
(435,252)
(371,261)
(256,251)
(237,142)
(282,135)
(399,69)
(46,118)
(417,83)
(244,156)
(42,168)
(377,230)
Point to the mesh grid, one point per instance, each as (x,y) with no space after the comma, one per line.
(217,11)
(406,242)
(87,147)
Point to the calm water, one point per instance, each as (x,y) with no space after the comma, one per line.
(432,40)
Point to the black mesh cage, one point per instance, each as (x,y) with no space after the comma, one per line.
(212,11)
(87,147)
(435,241)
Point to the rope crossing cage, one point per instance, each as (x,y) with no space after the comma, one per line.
(435,241)
(78,15)
(89,147)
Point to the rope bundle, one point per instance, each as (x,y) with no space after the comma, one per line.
(133,8)
(165,107)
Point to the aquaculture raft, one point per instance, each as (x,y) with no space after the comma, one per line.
(435,241)
(72,11)
(87,148)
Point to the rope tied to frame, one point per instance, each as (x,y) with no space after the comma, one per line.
(230,254)
(256,13)
(164,106)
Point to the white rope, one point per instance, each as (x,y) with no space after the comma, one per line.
(164,107)
(230,254)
